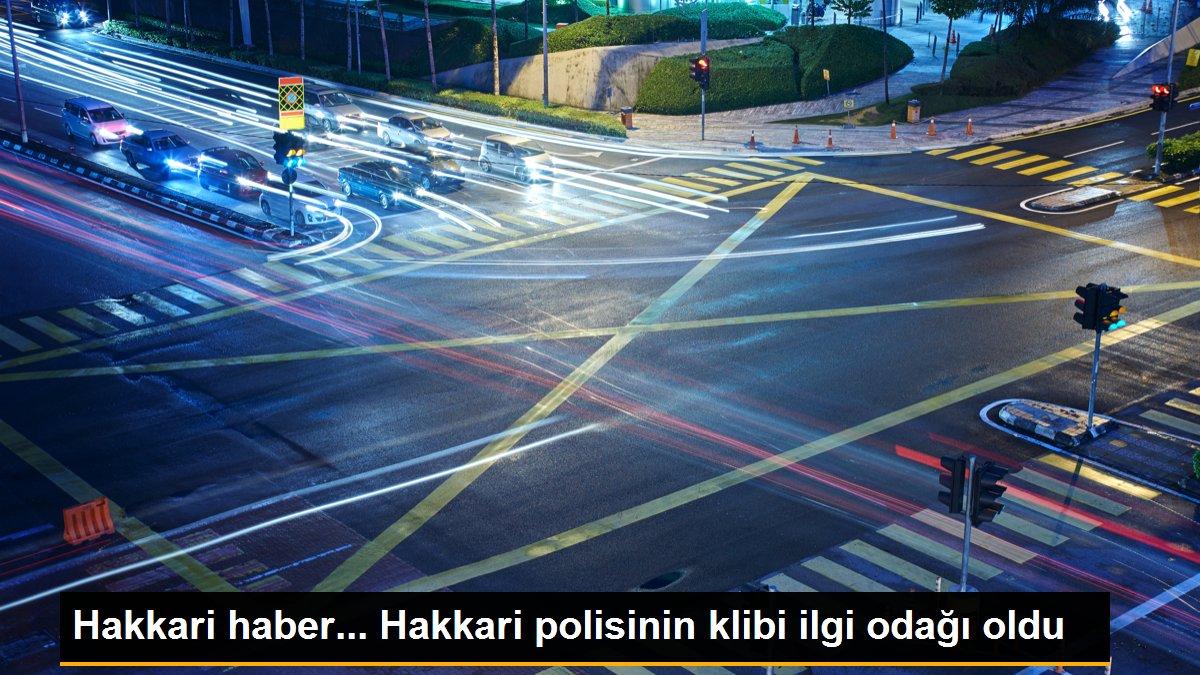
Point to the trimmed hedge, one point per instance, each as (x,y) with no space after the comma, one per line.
(784,67)
(1181,154)
(606,31)
(727,20)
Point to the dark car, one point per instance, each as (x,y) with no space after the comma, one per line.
(435,171)
(61,13)
(380,181)
(220,169)
(162,152)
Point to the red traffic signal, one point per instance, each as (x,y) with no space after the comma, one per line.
(701,69)
(1163,95)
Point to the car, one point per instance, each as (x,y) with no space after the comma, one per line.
(384,182)
(94,120)
(61,13)
(414,130)
(514,156)
(220,168)
(162,152)
(332,111)
(434,170)
(275,205)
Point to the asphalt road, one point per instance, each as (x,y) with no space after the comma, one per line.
(588,387)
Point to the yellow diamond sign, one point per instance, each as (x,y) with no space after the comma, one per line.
(291,103)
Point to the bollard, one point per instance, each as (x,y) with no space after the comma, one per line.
(932,128)
(935,39)
(893,130)
(796,136)
(900,20)
(751,145)
(829,141)
(970,127)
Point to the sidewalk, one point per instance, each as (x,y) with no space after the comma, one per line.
(1086,90)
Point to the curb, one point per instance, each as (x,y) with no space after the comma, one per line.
(146,191)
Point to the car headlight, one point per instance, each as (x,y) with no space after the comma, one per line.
(64,18)
(397,195)
(83,15)
(179,166)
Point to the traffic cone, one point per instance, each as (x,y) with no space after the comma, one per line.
(752,144)
(932,128)
(970,127)
(829,141)
(893,130)
(796,136)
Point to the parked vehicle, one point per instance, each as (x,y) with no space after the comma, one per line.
(162,152)
(517,157)
(332,111)
(431,171)
(275,205)
(384,182)
(93,120)
(414,130)
(61,13)
(220,168)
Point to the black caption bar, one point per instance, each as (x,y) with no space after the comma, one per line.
(585,628)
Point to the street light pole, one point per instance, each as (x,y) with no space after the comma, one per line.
(1162,117)
(12,47)
(546,60)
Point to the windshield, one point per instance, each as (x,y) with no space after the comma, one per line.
(395,173)
(169,143)
(528,149)
(247,162)
(104,115)
(426,123)
(334,99)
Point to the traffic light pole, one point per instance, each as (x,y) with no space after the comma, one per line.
(12,47)
(701,113)
(1162,117)
(1095,376)
(291,212)
(963,586)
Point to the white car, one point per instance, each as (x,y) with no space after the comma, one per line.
(415,130)
(275,206)
(332,111)
(93,120)
(517,157)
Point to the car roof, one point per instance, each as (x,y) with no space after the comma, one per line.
(89,103)
(508,138)
(326,90)
(158,133)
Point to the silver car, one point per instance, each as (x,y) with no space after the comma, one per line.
(275,206)
(414,130)
(517,157)
(332,111)
(95,121)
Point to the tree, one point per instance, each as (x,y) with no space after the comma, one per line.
(232,25)
(387,62)
(187,20)
(495,53)
(349,39)
(303,52)
(429,44)
(951,9)
(137,15)
(270,39)
(852,8)
(167,11)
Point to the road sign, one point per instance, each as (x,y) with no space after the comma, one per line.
(1193,58)
(848,103)
(288,176)
(825,74)
(704,31)
(291,103)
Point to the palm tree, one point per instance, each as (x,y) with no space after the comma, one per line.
(349,39)
(137,15)
(232,26)
(187,20)
(270,40)
(387,62)
(429,44)
(167,8)
(303,52)
(495,54)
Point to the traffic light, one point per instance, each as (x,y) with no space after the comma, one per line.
(290,149)
(1163,95)
(985,493)
(1087,303)
(701,69)
(282,143)
(1109,311)
(955,481)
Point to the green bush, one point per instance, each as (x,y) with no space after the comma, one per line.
(605,31)
(1196,464)
(154,30)
(1179,154)
(727,20)
(852,54)
(460,43)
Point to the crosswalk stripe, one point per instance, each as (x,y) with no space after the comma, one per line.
(845,576)
(898,566)
(44,327)
(331,269)
(87,321)
(1097,179)
(787,584)
(575,212)
(474,236)
(1074,493)
(497,228)
(411,245)
(719,181)
(160,305)
(16,340)
(984,540)
(1056,512)
(1097,476)
(754,169)
(666,189)
(555,670)
(1043,168)
(992,159)
(1154,194)
(122,312)
(805,160)
(193,296)
(283,270)
(247,274)
(430,235)
(937,551)
(1023,527)
(227,287)
(708,670)
(631,670)
(599,207)
(938,151)
(779,165)
(365,263)
(1020,161)
(385,252)
(1069,173)
(975,152)
(524,222)
(1172,421)
(1176,201)
(1184,405)
(545,215)
(732,174)
(1195,392)
(689,184)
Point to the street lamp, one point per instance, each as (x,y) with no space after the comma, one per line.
(545,60)
(12,47)
(1162,116)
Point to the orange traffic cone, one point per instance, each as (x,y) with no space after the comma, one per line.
(829,141)
(752,144)
(970,127)
(796,136)
(932,128)
(893,130)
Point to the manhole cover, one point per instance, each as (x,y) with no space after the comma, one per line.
(662,581)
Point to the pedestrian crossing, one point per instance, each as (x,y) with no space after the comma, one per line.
(23,335)
(1049,501)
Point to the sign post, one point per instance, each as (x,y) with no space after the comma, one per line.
(703,52)
(825,74)
(963,586)
(291,103)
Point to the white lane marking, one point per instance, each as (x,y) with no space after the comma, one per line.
(873,227)
(1188,124)
(1084,152)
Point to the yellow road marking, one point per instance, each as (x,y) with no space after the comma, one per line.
(1172,421)
(894,564)
(1100,241)
(712,179)
(844,576)
(1043,168)
(933,549)
(729,479)
(1195,392)
(121,312)
(754,169)
(975,151)
(265,283)
(385,252)
(1028,159)
(411,245)
(187,567)
(87,321)
(227,287)
(939,151)
(497,228)
(474,236)
(732,174)
(1184,405)
(1098,179)
(991,159)
(787,584)
(1097,476)
(44,327)
(689,184)
(193,296)
(16,340)
(544,214)
(1176,201)
(364,558)
(330,269)
(160,305)
(655,186)
(1154,194)
(990,542)
(805,160)
(520,222)
(430,235)
(780,165)
(289,272)
(1069,173)
(1023,527)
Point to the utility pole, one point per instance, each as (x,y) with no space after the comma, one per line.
(1162,117)
(12,47)
(887,99)
(546,60)
(963,586)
